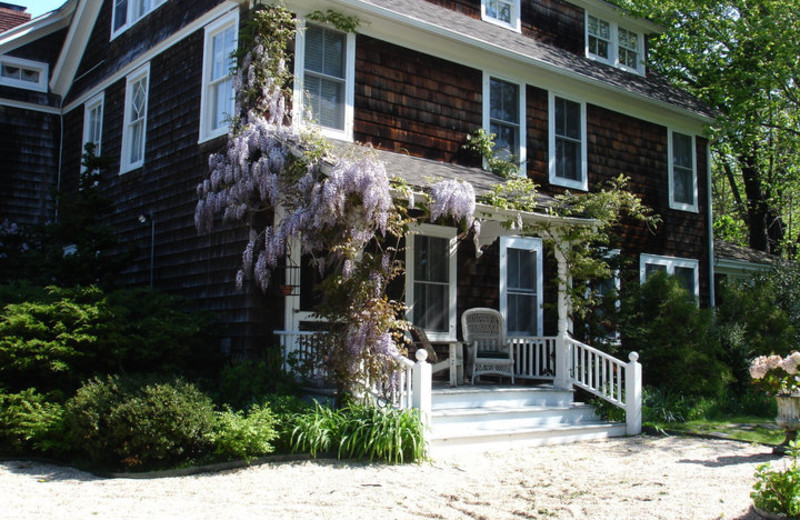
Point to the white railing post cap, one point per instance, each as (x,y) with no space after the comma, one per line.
(421,355)
(633,356)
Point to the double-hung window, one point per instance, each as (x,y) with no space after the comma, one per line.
(431,280)
(521,285)
(128,12)
(217,102)
(22,73)
(568,143)
(93,123)
(134,127)
(325,71)
(684,269)
(502,12)
(618,46)
(682,172)
(504,103)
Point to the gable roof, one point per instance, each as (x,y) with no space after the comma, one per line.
(465,29)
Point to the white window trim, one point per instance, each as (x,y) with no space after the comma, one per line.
(211,30)
(514,25)
(97,101)
(670,262)
(528,244)
(299,101)
(522,153)
(42,68)
(438,232)
(125,164)
(673,204)
(154,4)
(613,45)
(583,183)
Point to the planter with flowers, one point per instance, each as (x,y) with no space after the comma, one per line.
(779,377)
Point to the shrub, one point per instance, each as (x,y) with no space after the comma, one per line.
(245,383)
(244,435)
(362,432)
(71,334)
(30,421)
(779,491)
(139,423)
(676,339)
(758,316)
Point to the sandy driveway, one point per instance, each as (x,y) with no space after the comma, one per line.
(636,478)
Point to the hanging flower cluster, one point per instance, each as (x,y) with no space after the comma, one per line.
(455,199)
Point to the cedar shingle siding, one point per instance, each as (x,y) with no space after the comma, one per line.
(406,101)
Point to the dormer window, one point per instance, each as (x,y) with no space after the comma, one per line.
(128,12)
(606,41)
(501,12)
(20,73)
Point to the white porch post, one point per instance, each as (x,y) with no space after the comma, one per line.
(563,377)
(422,397)
(633,395)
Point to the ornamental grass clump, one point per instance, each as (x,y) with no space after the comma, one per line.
(361,431)
(776,375)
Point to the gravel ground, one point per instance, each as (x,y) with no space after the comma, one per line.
(630,478)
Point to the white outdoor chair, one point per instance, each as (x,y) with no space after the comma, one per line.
(485,336)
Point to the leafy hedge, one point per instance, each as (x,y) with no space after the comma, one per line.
(67,335)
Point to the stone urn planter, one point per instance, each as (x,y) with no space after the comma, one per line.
(788,418)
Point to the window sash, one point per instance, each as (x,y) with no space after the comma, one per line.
(568,140)
(686,270)
(504,117)
(500,10)
(683,175)
(599,37)
(135,122)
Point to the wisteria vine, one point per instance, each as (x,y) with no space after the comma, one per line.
(284,183)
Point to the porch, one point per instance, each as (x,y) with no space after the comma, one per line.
(540,408)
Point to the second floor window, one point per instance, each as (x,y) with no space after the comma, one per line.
(567,143)
(135,122)
(93,123)
(217,103)
(682,177)
(502,12)
(504,118)
(599,40)
(325,71)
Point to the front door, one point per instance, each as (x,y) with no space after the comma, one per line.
(521,285)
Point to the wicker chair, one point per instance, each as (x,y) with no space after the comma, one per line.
(484,334)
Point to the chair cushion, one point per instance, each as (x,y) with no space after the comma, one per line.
(492,355)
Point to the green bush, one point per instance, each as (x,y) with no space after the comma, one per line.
(779,491)
(244,435)
(676,340)
(139,423)
(249,382)
(71,334)
(29,421)
(361,432)
(758,316)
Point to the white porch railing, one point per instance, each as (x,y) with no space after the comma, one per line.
(411,386)
(607,377)
(590,369)
(534,357)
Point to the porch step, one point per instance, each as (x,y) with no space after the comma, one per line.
(485,415)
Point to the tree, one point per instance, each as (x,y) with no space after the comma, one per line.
(740,57)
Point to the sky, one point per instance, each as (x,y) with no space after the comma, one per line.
(38,7)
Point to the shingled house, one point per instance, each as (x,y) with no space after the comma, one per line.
(564,85)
